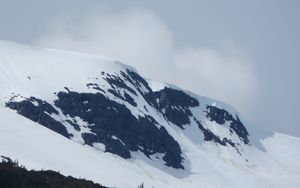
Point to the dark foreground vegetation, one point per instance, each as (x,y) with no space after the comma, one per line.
(14,176)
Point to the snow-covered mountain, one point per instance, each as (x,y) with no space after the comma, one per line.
(94,117)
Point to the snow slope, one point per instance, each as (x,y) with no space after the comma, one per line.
(41,73)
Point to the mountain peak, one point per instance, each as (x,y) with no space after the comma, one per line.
(109,107)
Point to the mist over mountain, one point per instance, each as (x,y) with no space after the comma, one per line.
(94,117)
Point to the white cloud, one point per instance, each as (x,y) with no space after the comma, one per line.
(140,38)
(134,36)
(222,73)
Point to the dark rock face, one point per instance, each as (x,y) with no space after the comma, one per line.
(174,104)
(39,113)
(220,116)
(95,86)
(117,82)
(136,80)
(118,129)
(209,136)
(126,97)
(111,122)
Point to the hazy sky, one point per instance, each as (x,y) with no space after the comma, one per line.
(246,53)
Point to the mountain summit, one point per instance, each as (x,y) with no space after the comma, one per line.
(94,117)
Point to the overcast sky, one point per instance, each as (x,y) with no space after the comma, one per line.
(245,53)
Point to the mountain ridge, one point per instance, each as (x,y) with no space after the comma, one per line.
(108,107)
